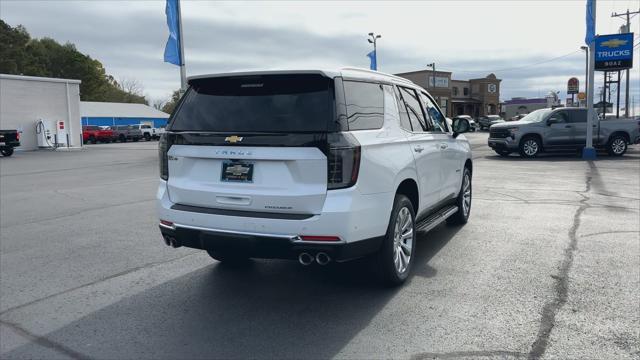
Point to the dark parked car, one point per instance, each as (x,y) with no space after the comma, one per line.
(124,133)
(485,122)
(9,139)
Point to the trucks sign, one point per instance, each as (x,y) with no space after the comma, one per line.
(614,52)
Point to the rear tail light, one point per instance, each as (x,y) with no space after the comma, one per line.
(343,161)
(164,144)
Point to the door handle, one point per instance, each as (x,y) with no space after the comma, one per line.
(567,126)
(443,146)
(418,149)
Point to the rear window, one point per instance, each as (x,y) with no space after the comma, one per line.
(91,128)
(260,103)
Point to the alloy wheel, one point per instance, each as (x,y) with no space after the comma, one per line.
(618,146)
(466,195)
(402,240)
(530,147)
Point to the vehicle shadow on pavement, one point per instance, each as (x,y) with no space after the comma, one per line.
(565,156)
(267,309)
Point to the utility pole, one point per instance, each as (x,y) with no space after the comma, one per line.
(433,67)
(627,29)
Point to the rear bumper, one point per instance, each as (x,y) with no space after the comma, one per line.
(263,245)
(9,144)
(503,144)
(360,221)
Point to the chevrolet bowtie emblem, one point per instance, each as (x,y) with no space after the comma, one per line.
(233,139)
(614,43)
(237,170)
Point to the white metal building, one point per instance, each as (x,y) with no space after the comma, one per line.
(25,101)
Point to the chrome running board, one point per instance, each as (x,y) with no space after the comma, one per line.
(436,218)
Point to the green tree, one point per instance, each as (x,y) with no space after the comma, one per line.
(170,105)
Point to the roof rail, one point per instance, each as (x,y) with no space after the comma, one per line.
(378,73)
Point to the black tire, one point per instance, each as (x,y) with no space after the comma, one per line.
(503,153)
(617,145)
(136,139)
(92,139)
(463,201)
(7,152)
(530,147)
(122,138)
(384,261)
(228,258)
(147,137)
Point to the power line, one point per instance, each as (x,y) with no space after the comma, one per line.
(518,67)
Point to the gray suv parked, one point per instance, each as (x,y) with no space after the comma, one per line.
(561,129)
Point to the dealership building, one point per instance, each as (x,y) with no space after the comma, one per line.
(474,97)
(110,114)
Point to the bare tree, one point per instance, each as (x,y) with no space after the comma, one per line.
(158,104)
(131,86)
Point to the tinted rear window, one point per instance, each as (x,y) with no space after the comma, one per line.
(265,103)
(91,128)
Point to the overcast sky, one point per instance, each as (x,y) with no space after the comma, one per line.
(471,39)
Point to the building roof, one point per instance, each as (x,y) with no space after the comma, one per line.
(37,78)
(525,101)
(119,110)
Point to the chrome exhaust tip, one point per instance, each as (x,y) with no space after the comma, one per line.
(305,259)
(322,258)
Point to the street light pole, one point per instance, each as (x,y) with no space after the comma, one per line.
(373,40)
(586,67)
(589,153)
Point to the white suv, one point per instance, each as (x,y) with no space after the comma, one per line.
(314,165)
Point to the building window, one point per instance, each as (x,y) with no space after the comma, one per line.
(454,90)
(465,91)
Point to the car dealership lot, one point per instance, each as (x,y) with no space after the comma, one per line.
(548,265)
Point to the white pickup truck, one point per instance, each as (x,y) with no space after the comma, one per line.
(148,131)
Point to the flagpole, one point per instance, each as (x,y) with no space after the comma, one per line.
(183,71)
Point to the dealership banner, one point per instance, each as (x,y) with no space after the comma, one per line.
(614,52)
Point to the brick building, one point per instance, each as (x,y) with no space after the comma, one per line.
(475,97)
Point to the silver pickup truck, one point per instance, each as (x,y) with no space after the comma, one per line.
(561,129)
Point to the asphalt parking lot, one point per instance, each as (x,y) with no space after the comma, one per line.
(547,267)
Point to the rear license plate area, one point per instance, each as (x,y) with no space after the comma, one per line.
(237,171)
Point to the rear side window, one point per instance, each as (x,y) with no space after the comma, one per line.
(414,109)
(578,116)
(260,103)
(405,123)
(365,105)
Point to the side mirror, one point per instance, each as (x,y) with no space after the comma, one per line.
(553,120)
(460,126)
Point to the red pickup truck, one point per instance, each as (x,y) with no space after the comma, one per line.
(93,134)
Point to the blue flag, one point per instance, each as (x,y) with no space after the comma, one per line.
(172,49)
(374,63)
(591,23)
